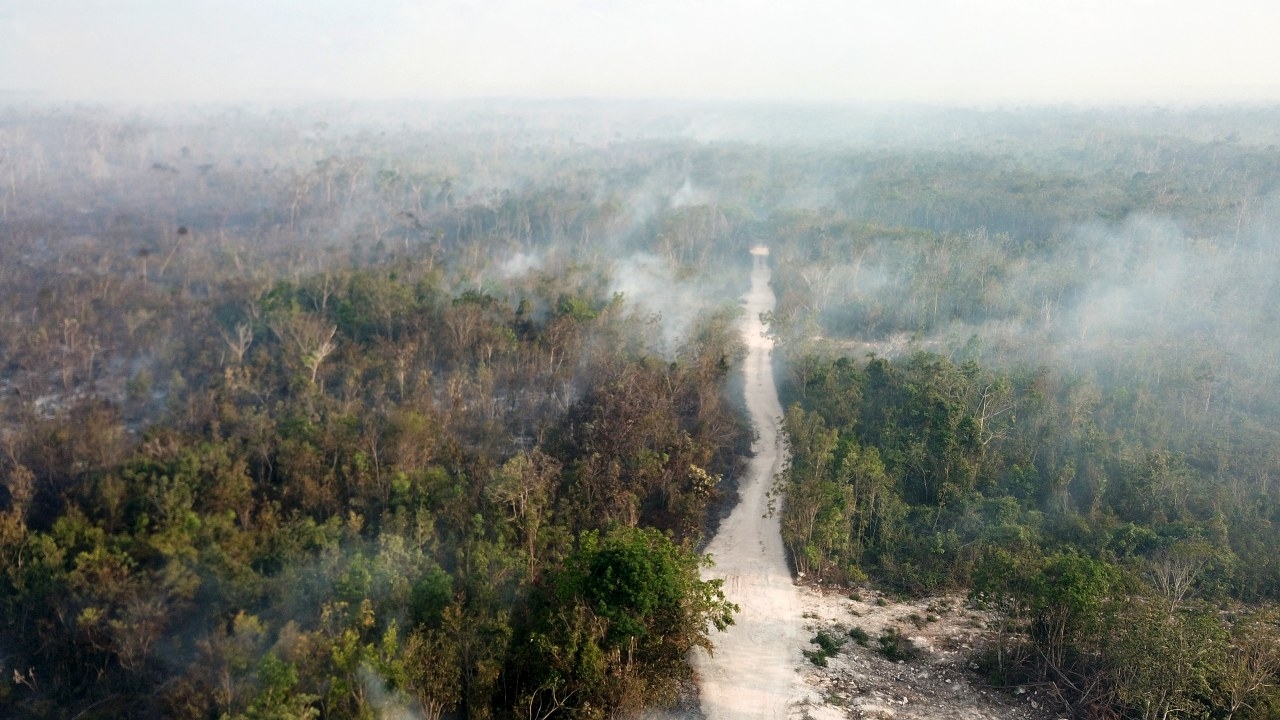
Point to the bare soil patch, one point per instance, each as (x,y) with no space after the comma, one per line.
(932,675)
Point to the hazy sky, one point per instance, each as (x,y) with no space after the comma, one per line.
(850,50)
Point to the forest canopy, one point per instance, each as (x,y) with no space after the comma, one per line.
(340,412)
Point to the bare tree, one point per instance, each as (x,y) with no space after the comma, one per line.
(239,344)
(182,233)
(1173,571)
(310,336)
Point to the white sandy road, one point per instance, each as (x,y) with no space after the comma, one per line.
(753,671)
(758,669)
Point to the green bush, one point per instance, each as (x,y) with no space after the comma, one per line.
(828,646)
(897,647)
(859,636)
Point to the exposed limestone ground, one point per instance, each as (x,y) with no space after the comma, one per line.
(861,682)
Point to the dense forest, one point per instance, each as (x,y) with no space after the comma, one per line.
(314,423)
(348,412)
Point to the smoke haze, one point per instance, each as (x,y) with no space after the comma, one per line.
(919,51)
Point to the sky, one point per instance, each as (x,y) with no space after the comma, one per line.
(931,51)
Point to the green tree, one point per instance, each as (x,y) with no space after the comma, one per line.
(615,629)
(277,698)
(524,485)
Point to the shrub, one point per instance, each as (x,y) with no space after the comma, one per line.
(859,635)
(828,646)
(896,646)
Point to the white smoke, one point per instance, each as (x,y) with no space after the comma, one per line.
(687,196)
(519,264)
(387,704)
(651,284)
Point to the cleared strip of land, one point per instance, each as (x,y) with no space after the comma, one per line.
(753,671)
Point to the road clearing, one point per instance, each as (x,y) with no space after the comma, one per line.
(753,673)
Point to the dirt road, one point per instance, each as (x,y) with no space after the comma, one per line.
(753,672)
(758,669)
